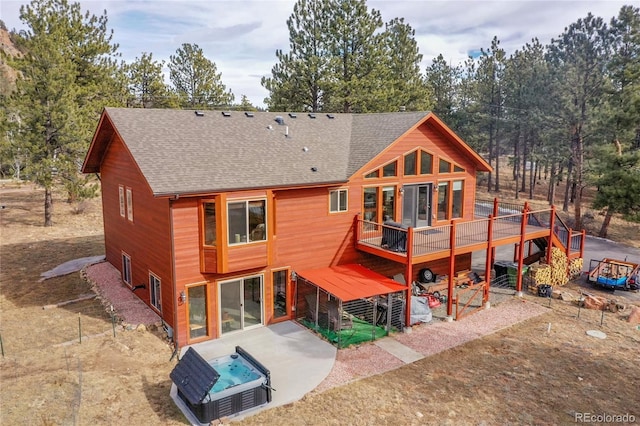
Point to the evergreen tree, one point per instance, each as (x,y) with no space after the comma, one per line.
(196,79)
(407,86)
(67,74)
(299,80)
(443,81)
(578,60)
(490,100)
(341,60)
(357,61)
(147,88)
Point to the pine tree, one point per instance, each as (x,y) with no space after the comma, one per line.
(578,61)
(196,79)
(146,84)
(300,78)
(407,86)
(68,73)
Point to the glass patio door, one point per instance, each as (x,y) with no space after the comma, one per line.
(240,304)
(416,205)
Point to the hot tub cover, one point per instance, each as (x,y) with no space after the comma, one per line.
(194,377)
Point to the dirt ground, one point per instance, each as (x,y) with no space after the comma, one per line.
(543,371)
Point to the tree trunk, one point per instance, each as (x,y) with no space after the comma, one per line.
(605,224)
(525,152)
(497,144)
(490,177)
(567,188)
(577,202)
(48,207)
(551,197)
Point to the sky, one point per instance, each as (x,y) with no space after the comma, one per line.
(241,37)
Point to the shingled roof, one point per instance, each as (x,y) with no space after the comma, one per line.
(189,152)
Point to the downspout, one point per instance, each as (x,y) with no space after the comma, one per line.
(173,278)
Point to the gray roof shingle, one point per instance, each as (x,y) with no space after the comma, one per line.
(180,152)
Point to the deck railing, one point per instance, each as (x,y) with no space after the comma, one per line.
(432,239)
(468,233)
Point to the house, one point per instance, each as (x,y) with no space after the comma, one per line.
(212,216)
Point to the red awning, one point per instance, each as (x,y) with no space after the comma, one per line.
(351,282)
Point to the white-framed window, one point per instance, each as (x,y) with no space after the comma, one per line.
(338,201)
(126,268)
(129,205)
(247,221)
(154,291)
(122,202)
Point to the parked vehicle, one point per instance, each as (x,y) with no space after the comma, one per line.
(614,274)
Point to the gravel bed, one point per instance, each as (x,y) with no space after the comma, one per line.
(106,282)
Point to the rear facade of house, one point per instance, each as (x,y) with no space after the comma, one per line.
(208,215)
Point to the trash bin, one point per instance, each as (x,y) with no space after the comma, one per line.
(510,269)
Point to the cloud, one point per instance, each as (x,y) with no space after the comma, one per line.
(241,37)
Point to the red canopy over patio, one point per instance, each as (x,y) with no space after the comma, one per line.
(351,282)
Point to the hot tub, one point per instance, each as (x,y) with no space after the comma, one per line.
(220,387)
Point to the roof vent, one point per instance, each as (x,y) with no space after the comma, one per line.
(226,114)
(331,116)
(305,149)
(314,169)
(279,120)
(312,115)
(248,114)
(293,115)
(199,113)
(270,127)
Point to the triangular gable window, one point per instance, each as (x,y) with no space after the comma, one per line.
(388,170)
(444,166)
(457,168)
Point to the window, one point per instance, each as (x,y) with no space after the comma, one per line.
(426,163)
(126,269)
(390,169)
(129,205)
(197,311)
(209,224)
(154,288)
(247,221)
(121,197)
(280,293)
(338,201)
(370,206)
(444,167)
(443,201)
(389,202)
(410,164)
(457,168)
(457,198)
(372,175)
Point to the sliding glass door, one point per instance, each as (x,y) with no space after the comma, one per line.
(240,304)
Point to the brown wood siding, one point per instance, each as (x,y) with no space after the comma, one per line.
(307,235)
(430,139)
(246,256)
(146,240)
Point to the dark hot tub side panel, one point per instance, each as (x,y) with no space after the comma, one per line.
(207,409)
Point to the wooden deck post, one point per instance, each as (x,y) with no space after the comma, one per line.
(582,241)
(489,259)
(452,266)
(552,224)
(523,230)
(409,276)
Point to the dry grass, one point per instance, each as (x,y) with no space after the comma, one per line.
(521,375)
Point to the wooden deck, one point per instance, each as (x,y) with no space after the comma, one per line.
(427,244)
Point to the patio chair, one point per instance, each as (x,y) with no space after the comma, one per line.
(338,318)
